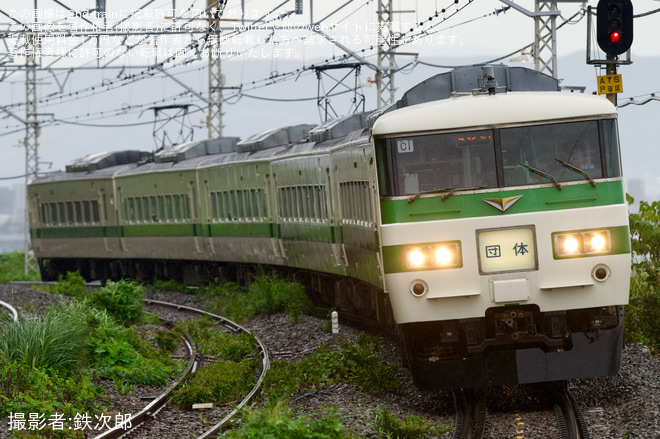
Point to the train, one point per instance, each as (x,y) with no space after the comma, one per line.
(482,216)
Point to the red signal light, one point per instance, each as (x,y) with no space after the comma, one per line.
(615,37)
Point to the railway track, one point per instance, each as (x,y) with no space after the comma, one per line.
(472,422)
(148,414)
(570,421)
(471,411)
(10,309)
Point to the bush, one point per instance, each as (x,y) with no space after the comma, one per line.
(217,343)
(55,341)
(279,423)
(118,354)
(123,300)
(391,427)
(642,321)
(73,285)
(266,295)
(167,285)
(222,382)
(25,390)
(348,362)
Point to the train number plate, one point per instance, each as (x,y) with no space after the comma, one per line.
(503,250)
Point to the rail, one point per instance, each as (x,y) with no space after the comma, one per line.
(570,421)
(471,413)
(11,309)
(265,362)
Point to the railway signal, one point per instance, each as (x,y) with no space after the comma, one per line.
(614,26)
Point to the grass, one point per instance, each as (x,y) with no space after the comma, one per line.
(341,361)
(223,382)
(54,341)
(266,295)
(12,268)
(122,299)
(279,422)
(217,343)
(411,427)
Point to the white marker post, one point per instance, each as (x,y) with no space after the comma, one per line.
(335,323)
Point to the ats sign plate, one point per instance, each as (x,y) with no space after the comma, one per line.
(609,84)
(506,250)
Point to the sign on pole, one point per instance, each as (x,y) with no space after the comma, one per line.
(609,84)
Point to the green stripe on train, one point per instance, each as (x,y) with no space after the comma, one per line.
(75,232)
(288,231)
(394,255)
(472,205)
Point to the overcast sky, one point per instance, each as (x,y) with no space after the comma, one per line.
(88,103)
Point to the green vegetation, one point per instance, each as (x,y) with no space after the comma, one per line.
(391,427)
(642,321)
(216,343)
(227,380)
(42,366)
(47,364)
(223,382)
(72,285)
(54,341)
(118,354)
(12,268)
(266,295)
(342,361)
(122,299)
(278,422)
(167,285)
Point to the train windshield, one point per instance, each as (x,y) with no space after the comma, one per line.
(504,157)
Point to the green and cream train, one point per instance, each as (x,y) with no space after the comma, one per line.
(482,215)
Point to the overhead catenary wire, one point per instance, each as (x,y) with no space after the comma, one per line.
(261,83)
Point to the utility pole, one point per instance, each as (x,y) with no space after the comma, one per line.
(31,136)
(385,73)
(545,23)
(214,119)
(545,37)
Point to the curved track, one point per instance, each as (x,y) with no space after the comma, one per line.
(11,310)
(153,408)
(235,327)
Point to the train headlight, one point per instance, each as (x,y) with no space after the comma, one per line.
(587,243)
(417,257)
(571,244)
(443,256)
(597,242)
(440,255)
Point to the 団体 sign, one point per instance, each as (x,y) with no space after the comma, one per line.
(609,84)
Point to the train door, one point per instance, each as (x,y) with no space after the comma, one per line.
(195,218)
(334,211)
(211,200)
(103,220)
(120,215)
(274,216)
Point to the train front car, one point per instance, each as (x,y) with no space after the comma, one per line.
(504,234)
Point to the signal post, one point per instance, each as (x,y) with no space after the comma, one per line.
(614,34)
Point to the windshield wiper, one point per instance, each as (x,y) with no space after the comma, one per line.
(543,174)
(448,192)
(581,171)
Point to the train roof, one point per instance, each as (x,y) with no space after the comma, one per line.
(483,110)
